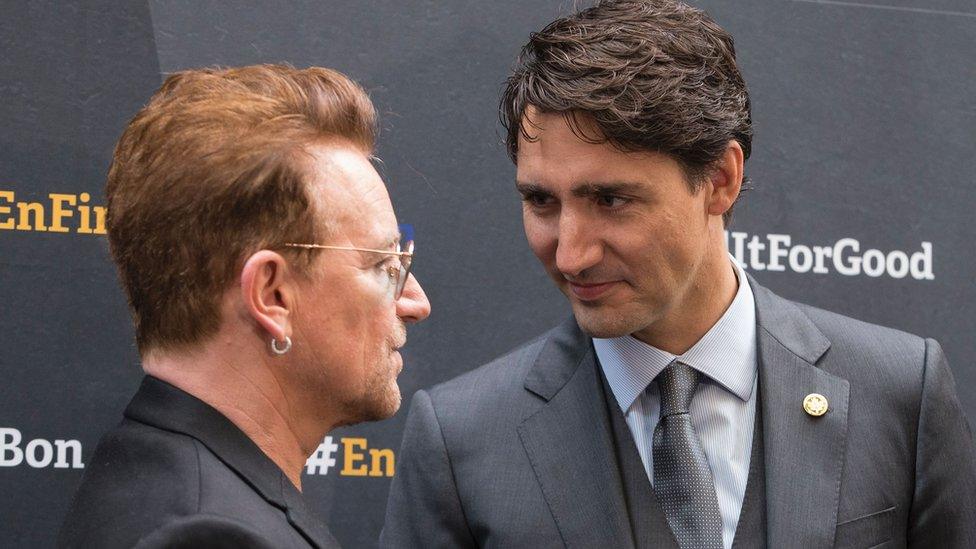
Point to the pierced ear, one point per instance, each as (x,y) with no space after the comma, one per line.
(726,179)
(267,292)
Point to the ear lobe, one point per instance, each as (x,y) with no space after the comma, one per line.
(267,293)
(726,179)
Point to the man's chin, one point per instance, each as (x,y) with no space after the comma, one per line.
(601,325)
(375,405)
(385,406)
(393,405)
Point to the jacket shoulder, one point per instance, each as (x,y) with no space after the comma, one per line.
(490,396)
(147,483)
(885,366)
(502,375)
(138,478)
(866,339)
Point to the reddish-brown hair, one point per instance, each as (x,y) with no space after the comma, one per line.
(210,171)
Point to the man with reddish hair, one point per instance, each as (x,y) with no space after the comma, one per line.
(270,291)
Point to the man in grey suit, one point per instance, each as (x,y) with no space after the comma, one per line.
(684,405)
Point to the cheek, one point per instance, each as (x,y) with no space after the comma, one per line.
(348,322)
(385,325)
(378,325)
(541,238)
(643,250)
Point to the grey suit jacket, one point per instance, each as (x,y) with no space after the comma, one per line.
(519,453)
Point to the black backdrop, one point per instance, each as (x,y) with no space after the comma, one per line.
(864,115)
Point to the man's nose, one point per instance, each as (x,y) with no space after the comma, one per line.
(412,305)
(578,247)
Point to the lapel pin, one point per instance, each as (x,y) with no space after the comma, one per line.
(815,404)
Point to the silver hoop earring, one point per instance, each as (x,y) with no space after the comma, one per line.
(283,350)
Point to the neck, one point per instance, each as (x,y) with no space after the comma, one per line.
(708,295)
(246,393)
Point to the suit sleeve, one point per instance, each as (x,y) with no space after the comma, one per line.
(424,510)
(943,512)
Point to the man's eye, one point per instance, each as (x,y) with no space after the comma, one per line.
(612,201)
(536,200)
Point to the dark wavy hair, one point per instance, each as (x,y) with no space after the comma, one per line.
(654,75)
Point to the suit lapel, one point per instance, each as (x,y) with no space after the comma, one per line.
(302,520)
(804,454)
(570,445)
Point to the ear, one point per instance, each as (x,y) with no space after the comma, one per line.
(726,179)
(268,292)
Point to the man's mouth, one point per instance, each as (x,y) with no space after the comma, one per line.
(591,291)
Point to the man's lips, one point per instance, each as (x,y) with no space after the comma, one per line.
(397,357)
(590,291)
(398,340)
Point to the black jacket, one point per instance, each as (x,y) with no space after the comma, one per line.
(177,473)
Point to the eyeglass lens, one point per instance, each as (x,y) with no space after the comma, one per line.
(407,246)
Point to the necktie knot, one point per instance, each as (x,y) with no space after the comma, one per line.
(677,384)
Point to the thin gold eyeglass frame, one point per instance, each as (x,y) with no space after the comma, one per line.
(398,275)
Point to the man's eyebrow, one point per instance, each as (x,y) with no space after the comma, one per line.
(585,189)
(530,188)
(389,242)
(609,187)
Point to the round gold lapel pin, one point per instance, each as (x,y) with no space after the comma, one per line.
(815,404)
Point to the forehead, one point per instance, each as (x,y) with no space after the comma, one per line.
(561,152)
(350,194)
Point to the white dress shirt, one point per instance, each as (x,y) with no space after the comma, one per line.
(723,410)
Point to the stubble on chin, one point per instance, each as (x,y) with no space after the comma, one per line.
(596,323)
(380,400)
(606,323)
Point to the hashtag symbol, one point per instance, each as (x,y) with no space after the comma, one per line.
(323,459)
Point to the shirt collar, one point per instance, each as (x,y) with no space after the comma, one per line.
(726,353)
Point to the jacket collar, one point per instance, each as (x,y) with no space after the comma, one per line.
(786,323)
(162,405)
(564,349)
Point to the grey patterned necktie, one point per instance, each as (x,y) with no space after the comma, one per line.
(682,479)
